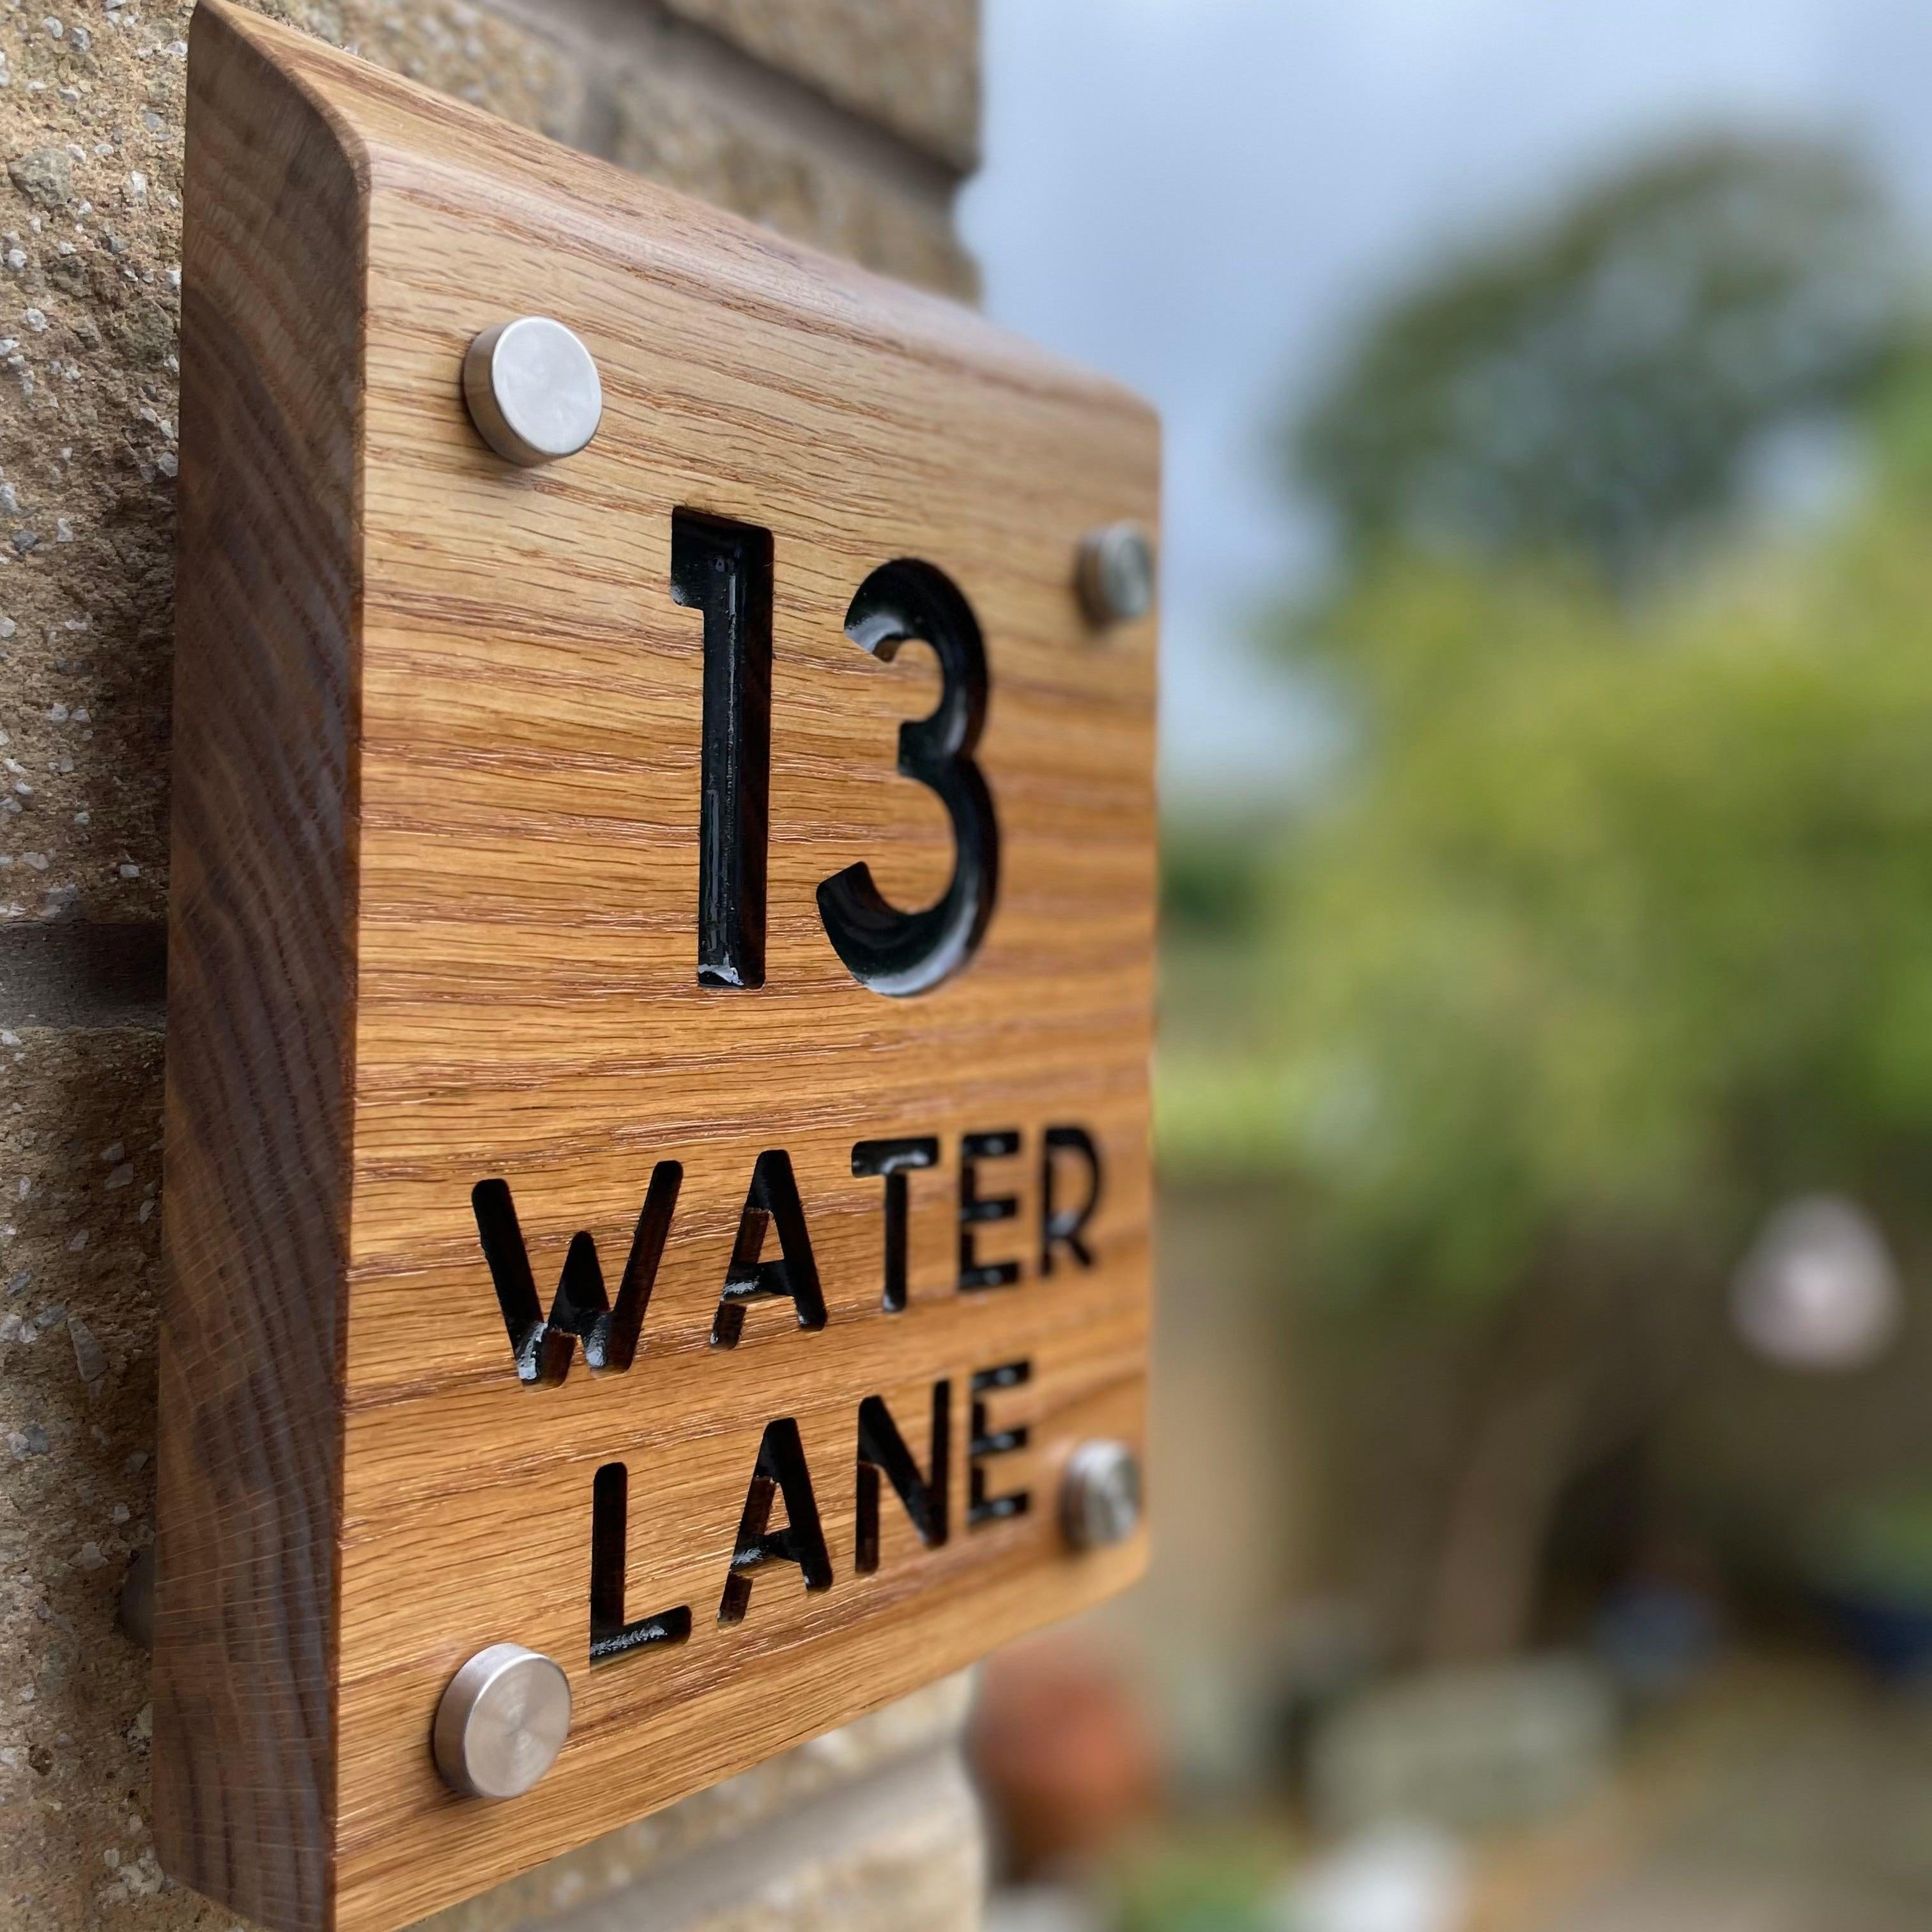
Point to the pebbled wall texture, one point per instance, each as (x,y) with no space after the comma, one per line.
(847,123)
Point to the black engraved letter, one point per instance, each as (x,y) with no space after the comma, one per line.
(781,1471)
(771,1202)
(882,1449)
(894,1159)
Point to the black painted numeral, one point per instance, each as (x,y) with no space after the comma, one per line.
(724,570)
(900,953)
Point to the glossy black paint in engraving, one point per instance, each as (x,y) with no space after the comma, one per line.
(894,1161)
(985,1442)
(901,953)
(883,1451)
(724,570)
(610,1635)
(780,1474)
(581,1311)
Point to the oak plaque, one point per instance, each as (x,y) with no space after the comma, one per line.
(660,993)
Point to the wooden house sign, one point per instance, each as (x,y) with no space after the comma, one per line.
(660,991)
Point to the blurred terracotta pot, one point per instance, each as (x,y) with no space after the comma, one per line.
(1064,1753)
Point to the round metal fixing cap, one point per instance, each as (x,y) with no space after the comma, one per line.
(532,390)
(1100,1496)
(1116,574)
(502,1719)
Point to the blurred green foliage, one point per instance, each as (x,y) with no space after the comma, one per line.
(1211,885)
(1228,1880)
(1622,923)
(1877,1544)
(1593,390)
(1617,926)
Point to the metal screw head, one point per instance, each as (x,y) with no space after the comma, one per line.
(501,1721)
(532,390)
(1116,574)
(1100,1496)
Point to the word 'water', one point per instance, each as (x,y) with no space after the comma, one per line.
(582,1313)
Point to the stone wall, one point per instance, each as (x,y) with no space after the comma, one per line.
(847,123)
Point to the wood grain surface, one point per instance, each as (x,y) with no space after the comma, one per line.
(436,872)
(261,973)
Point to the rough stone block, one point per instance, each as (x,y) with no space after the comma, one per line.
(79,1274)
(461,49)
(709,146)
(614,1877)
(899,1851)
(911,65)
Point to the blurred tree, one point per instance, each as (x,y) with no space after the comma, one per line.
(1599,389)
(1210,886)
(1619,933)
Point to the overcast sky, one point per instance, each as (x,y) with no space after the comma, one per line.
(1199,195)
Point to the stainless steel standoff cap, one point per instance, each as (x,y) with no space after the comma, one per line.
(1100,1495)
(532,390)
(1115,574)
(502,1719)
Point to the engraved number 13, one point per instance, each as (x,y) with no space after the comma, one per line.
(724,570)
